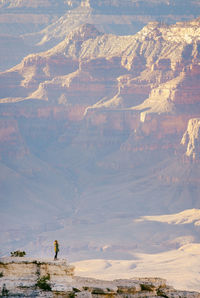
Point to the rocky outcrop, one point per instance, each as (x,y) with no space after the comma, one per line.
(20,275)
(18,267)
(191,139)
(29,277)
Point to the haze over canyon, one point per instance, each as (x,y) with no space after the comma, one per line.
(99,127)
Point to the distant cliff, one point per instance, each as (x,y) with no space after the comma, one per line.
(146,84)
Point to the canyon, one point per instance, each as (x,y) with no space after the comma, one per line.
(99,130)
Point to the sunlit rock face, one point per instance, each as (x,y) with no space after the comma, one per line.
(191,139)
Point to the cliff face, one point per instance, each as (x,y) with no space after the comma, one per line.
(191,139)
(20,277)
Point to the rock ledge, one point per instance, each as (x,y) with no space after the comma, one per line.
(19,278)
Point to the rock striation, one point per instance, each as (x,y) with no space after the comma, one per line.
(21,276)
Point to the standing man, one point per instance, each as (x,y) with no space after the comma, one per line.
(56,248)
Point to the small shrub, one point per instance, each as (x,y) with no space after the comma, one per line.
(98,291)
(4,291)
(1,274)
(76,290)
(43,284)
(145,287)
(18,253)
(71,295)
(161,293)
